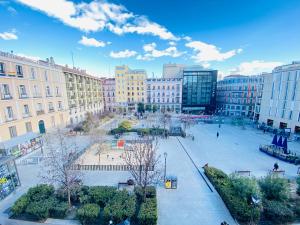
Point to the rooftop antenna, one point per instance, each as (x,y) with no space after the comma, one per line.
(72,59)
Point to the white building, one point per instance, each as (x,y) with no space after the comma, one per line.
(165,94)
(280,105)
(173,70)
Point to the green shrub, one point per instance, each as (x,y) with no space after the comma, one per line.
(275,188)
(20,205)
(125,125)
(62,194)
(59,210)
(88,214)
(40,209)
(278,212)
(40,192)
(240,207)
(101,195)
(150,192)
(119,130)
(148,212)
(121,207)
(298,185)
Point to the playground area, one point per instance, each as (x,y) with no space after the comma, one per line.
(106,153)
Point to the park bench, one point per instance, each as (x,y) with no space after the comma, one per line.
(279,172)
(243,172)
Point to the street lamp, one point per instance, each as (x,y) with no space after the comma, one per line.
(165,155)
(111,222)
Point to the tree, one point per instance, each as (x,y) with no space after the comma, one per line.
(125,124)
(144,164)
(98,139)
(165,120)
(60,155)
(154,108)
(141,107)
(148,108)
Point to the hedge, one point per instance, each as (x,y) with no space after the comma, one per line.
(148,212)
(141,131)
(150,193)
(278,212)
(20,205)
(238,206)
(88,214)
(101,195)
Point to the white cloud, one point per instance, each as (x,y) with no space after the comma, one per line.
(98,15)
(255,67)
(187,38)
(123,54)
(34,58)
(8,35)
(92,42)
(205,53)
(151,52)
(172,43)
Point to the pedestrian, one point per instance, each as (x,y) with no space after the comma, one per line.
(219,125)
(264,130)
(276,166)
(217,134)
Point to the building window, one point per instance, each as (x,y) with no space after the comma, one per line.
(32,73)
(26,110)
(13,131)
(60,107)
(28,126)
(9,113)
(5,92)
(36,91)
(51,107)
(46,75)
(57,92)
(19,71)
(53,121)
(2,68)
(22,90)
(48,92)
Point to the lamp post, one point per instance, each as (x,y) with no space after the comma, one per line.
(111,222)
(165,155)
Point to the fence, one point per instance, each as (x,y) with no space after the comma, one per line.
(108,167)
(30,160)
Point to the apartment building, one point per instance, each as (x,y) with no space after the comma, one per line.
(130,88)
(239,95)
(33,96)
(280,104)
(84,92)
(164,94)
(199,90)
(109,94)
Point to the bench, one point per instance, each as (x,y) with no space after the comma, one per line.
(243,172)
(279,172)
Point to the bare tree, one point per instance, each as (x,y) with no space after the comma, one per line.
(165,120)
(61,153)
(144,163)
(98,139)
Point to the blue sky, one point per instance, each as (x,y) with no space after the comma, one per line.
(233,36)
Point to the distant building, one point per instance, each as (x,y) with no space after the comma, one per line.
(109,94)
(33,99)
(199,90)
(172,70)
(280,104)
(85,94)
(130,88)
(239,95)
(164,94)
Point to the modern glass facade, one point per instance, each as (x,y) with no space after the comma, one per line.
(199,90)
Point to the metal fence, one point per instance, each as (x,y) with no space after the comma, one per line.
(108,167)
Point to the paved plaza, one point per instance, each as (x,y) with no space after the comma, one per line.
(194,201)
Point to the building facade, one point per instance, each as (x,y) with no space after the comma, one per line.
(109,94)
(164,94)
(239,95)
(280,104)
(130,88)
(173,70)
(85,94)
(33,96)
(199,90)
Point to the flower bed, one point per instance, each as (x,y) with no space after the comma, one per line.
(279,154)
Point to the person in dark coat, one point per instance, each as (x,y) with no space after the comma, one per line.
(218,134)
(276,166)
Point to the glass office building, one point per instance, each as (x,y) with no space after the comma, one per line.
(199,90)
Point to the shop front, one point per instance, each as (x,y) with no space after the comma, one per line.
(9,178)
(21,145)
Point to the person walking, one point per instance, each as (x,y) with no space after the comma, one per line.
(276,166)
(218,134)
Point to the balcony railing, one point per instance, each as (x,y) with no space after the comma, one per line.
(51,109)
(21,96)
(26,115)
(40,112)
(37,96)
(9,119)
(6,97)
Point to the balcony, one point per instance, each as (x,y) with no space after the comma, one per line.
(37,96)
(51,110)
(40,112)
(23,96)
(26,115)
(6,97)
(9,119)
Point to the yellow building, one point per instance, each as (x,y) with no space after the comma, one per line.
(130,87)
(84,93)
(33,96)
